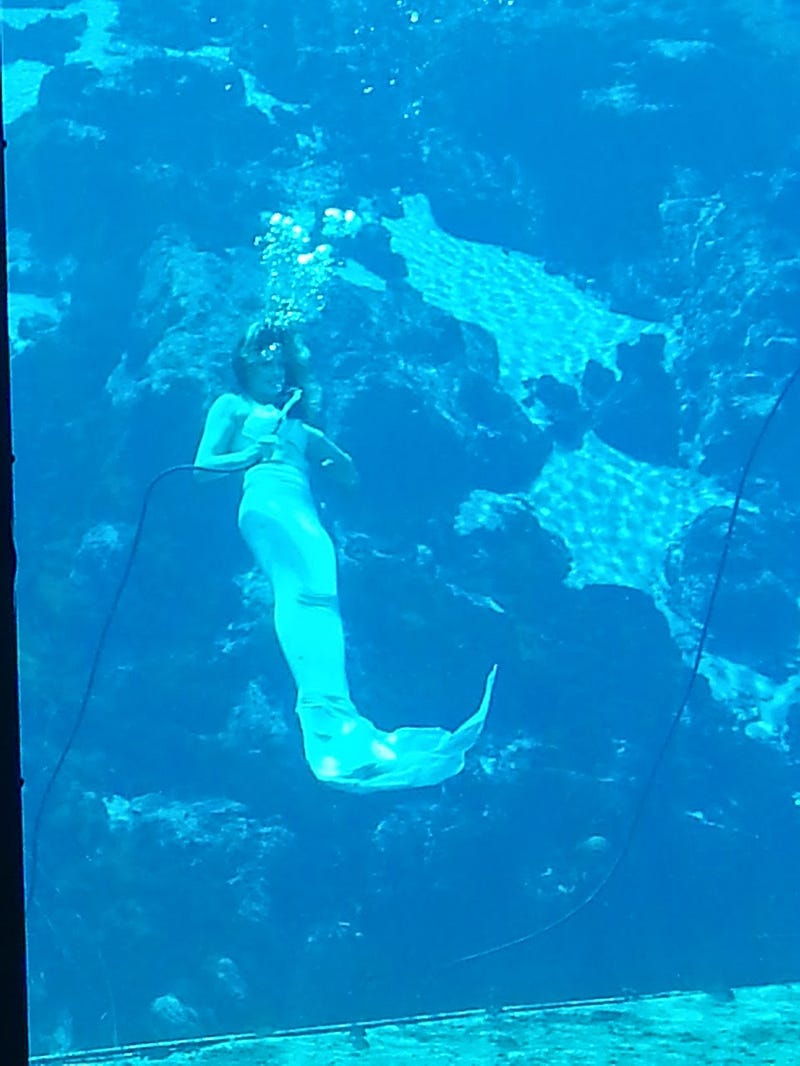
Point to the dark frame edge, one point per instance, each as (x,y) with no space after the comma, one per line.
(13,975)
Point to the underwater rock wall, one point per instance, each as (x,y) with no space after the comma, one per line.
(570,300)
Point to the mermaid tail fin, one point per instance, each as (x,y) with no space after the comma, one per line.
(467,734)
(344,749)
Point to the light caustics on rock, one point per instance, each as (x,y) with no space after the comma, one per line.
(617,516)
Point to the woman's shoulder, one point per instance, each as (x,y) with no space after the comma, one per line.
(230,405)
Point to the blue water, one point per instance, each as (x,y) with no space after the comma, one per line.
(193,876)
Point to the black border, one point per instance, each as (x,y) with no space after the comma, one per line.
(13,983)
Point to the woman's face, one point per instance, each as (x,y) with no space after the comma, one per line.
(265,380)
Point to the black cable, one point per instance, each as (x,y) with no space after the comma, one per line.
(647,788)
(87,693)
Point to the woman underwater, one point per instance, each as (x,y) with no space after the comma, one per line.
(278,520)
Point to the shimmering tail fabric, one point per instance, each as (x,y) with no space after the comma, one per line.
(346,750)
(279,521)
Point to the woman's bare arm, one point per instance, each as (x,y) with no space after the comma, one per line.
(213,451)
(321,449)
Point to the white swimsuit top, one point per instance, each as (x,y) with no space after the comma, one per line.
(268,424)
(263,423)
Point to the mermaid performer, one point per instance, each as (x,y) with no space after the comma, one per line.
(278,520)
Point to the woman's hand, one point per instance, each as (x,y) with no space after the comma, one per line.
(256,453)
(331,457)
(232,462)
(343,469)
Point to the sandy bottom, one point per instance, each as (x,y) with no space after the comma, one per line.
(757,1026)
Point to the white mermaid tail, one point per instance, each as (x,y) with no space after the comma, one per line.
(279,521)
(349,752)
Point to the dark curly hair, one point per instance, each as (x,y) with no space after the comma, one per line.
(263,343)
